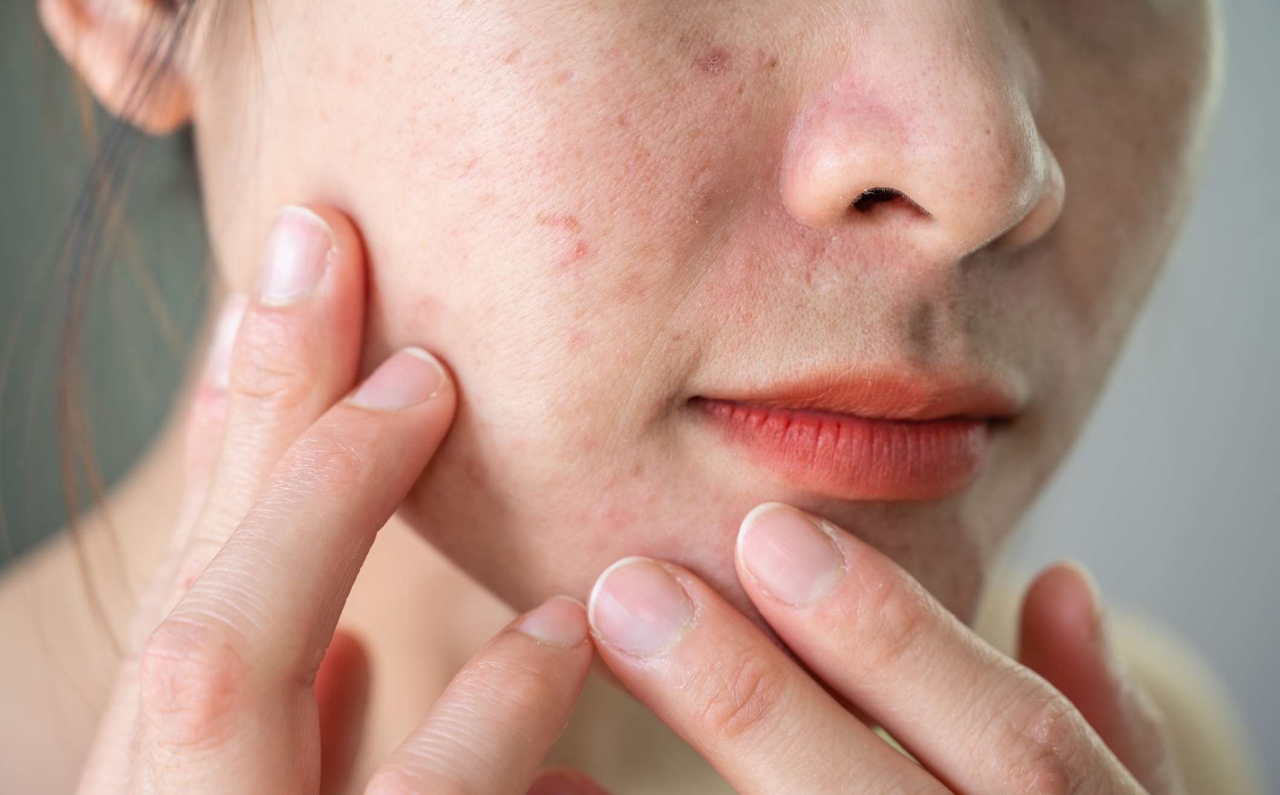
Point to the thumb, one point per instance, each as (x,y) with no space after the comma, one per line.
(1063,637)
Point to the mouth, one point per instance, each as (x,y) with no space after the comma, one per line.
(868,438)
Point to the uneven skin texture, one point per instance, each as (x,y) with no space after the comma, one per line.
(596,210)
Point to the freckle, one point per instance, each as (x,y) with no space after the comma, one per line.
(513,56)
(624,119)
(567,222)
(564,76)
(715,61)
(765,61)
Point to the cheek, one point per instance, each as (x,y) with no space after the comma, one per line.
(557,210)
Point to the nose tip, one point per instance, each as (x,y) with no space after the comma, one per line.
(947,198)
(945,162)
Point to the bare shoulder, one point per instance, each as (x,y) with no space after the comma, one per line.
(1204,722)
(55,670)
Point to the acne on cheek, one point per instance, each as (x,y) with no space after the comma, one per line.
(574,247)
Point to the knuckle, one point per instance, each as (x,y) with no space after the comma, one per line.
(191,682)
(1039,748)
(740,694)
(271,363)
(889,617)
(523,690)
(333,460)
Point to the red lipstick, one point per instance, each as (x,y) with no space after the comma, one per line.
(866,438)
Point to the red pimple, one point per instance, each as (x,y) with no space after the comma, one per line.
(715,61)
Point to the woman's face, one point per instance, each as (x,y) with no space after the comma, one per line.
(610,215)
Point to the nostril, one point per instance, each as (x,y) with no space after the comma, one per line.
(865,201)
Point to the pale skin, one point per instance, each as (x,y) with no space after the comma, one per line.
(535,485)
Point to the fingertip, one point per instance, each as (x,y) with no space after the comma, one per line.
(560,621)
(1065,596)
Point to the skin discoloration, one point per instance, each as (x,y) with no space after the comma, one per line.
(694,172)
(714,61)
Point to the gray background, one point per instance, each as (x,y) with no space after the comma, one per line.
(1172,497)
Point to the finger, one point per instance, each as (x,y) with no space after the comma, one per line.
(492,727)
(203,432)
(565,782)
(977,719)
(106,769)
(226,679)
(296,352)
(342,696)
(206,424)
(1063,637)
(733,695)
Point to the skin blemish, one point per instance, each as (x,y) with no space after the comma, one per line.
(566,222)
(715,61)
(766,62)
(576,247)
(513,57)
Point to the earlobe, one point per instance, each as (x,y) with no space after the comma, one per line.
(124,52)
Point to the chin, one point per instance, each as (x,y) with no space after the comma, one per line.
(526,539)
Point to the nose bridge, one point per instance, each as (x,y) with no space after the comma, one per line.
(927,125)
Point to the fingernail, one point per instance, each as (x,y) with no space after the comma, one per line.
(297,252)
(638,607)
(789,554)
(559,621)
(411,376)
(218,363)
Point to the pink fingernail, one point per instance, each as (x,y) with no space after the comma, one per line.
(789,554)
(218,363)
(297,253)
(411,376)
(639,607)
(560,621)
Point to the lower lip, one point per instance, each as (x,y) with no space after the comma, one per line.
(846,457)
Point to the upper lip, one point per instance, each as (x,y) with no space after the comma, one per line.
(886,395)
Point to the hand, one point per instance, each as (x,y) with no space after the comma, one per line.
(1064,720)
(290,474)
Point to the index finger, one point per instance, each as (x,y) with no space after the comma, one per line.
(492,727)
(976,718)
(226,679)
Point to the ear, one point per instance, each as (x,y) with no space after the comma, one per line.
(123,51)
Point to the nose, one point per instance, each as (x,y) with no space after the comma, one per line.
(927,137)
